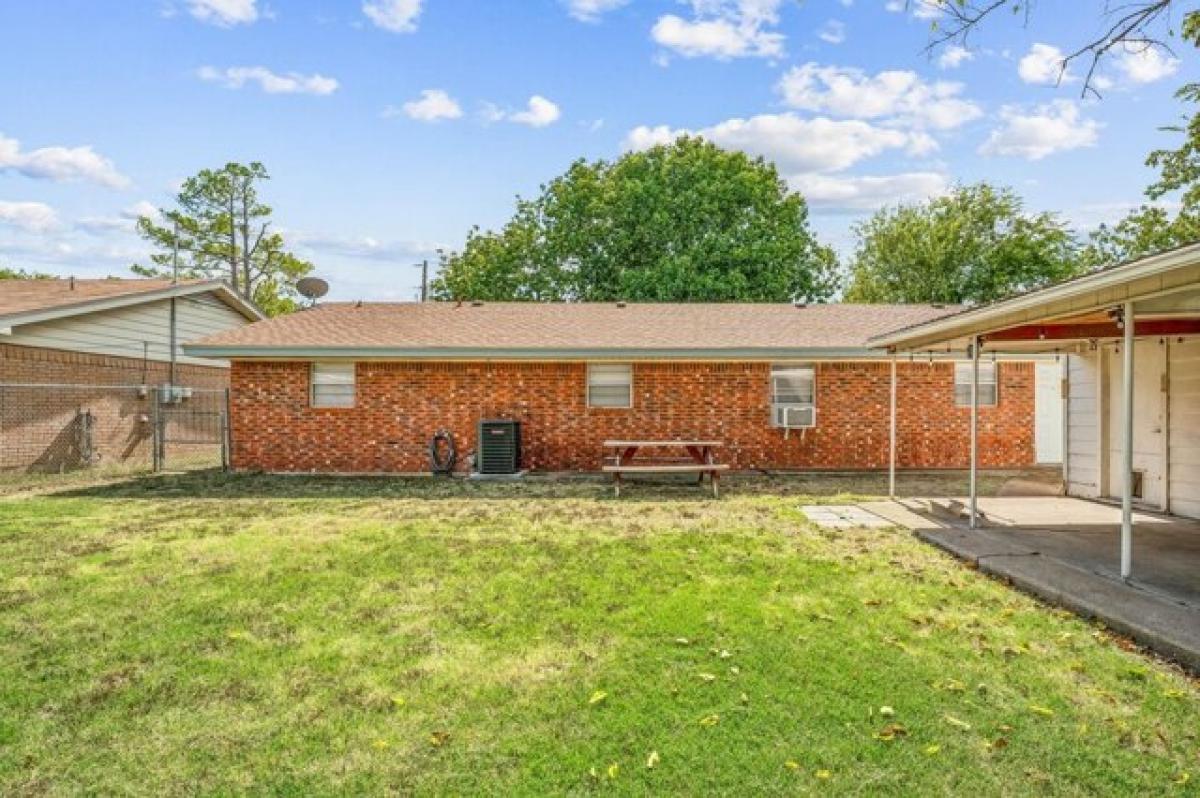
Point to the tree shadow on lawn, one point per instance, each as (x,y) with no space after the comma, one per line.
(817,486)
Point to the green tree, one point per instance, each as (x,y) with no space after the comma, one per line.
(8,273)
(1145,231)
(681,222)
(221,229)
(974,245)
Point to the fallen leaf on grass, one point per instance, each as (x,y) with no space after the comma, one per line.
(710,720)
(791,765)
(398,700)
(597,697)
(823,774)
(652,760)
(871,602)
(683,641)
(1043,711)
(956,723)
(613,770)
(381,744)
(999,744)
(708,677)
(931,750)
(891,732)
(439,738)
(1173,694)
(886,711)
(1182,778)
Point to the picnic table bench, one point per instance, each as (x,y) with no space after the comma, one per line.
(699,461)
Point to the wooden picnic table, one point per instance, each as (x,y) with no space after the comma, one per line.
(700,452)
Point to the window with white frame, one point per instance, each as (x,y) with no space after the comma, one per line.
(962,384)
(331,385)
(610,385)
(793,397)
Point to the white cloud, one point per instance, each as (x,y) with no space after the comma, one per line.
(434,105)
(397,16)
(833,32)
(591,10)
(954,56)
(1043,65)
(225,13)
(268,81)
(899,95)
(540,112)
(1145,64)
(723,29)
(869,192)
(34,217)
(124,222)
(60,164)
(1050,128)
(360,247)
(895,6)
(793,143)
(926,9)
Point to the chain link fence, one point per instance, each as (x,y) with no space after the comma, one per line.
(67,427)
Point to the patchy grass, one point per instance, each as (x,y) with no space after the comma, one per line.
(214,634)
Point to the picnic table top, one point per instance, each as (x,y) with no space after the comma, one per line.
(626,444)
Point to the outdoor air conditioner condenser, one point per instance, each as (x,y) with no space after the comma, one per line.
(499,447)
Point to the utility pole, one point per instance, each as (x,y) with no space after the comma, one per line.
(425,280)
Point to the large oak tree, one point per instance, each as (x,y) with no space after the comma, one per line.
(681,222)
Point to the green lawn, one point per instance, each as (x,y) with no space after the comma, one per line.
(220,635)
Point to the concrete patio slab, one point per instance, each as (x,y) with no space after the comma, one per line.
(843,516)
(1066,551)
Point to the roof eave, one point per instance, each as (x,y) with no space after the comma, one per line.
(229,352)
(218,287)
(970,321)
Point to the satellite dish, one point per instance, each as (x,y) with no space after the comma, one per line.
(312,287)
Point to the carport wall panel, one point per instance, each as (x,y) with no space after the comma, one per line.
(399,406)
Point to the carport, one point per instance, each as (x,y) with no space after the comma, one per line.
(1128,341)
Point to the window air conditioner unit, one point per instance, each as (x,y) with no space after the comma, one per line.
(792,417)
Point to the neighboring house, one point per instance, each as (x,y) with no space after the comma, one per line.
(1153,303)
(363,387)
(75,351)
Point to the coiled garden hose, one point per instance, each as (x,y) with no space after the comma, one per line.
(436,462)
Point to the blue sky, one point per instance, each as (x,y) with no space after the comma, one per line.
(390,127)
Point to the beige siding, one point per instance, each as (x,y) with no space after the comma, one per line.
(1083,427)
(134,331)
(1185,428)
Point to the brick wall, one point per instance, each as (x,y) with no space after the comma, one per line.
(45,392)
(400,405)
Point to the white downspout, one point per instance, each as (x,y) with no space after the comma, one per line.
(1127,443)
(974,500)
(892,434)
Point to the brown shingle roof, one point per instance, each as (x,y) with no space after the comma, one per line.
(394,328)
(24,296)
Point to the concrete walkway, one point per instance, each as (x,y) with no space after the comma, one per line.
(1067,551)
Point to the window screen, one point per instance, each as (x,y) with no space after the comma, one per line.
(332,385)
(793,396)
(962,384)
(610,385)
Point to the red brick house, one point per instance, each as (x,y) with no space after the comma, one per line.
(362,387)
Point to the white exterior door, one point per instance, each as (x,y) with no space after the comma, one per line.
(1148,421)
(1048,413)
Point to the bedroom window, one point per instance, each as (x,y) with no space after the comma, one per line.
(610,385)
(331,385)
(793,397)
(962,384)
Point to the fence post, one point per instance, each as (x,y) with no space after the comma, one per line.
(155,432)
